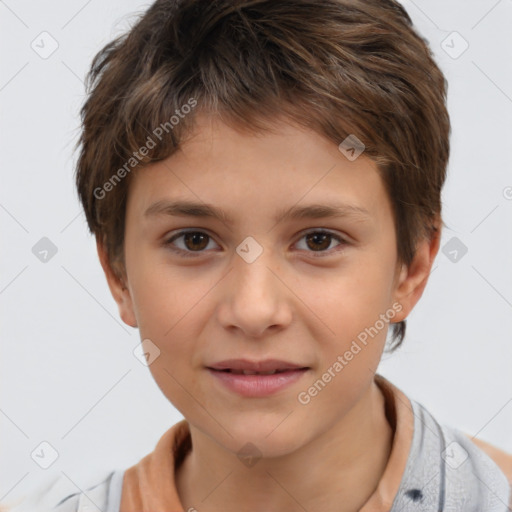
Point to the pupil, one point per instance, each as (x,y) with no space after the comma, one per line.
(194,237)
(323,238)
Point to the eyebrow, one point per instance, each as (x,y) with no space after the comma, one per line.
(184,208)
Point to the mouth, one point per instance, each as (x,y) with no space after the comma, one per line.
(252,372)
(258,383)
(252,367)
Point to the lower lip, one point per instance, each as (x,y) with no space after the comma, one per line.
(257,385)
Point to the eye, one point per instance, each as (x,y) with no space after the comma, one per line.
(197,242)
(194,242)
(320,240)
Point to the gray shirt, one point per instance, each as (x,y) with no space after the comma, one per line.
(445,472)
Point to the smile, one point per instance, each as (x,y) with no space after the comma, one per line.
(249,383)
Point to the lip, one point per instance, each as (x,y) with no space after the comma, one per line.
(265,365)
(258,385)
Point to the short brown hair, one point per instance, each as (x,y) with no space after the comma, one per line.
(338,67)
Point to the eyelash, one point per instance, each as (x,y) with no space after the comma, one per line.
(194,254)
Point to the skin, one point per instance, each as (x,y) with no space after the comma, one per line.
(287,304)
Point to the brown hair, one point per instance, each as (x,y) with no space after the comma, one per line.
(338,67)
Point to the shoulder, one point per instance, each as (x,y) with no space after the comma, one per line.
(456,473)
(501,458)
(60,494)
(484,476)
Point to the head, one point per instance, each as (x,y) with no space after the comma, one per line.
(241,107)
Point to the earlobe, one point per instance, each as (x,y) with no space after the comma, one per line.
(118,288)
(414,277)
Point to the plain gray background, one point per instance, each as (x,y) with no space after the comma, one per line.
(68,373)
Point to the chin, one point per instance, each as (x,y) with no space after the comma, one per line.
(266,439)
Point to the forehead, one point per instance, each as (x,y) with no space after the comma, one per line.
(234,169)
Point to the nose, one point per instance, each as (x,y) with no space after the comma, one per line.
(255,299)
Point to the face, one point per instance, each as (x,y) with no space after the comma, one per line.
(263,282)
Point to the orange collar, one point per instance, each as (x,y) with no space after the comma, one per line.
(150,484)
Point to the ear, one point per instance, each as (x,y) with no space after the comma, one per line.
(118,289)
(413,278)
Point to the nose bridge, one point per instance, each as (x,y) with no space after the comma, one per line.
(256,299)
(255,277)
(254,280)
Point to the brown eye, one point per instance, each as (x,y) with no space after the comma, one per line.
(192,242)
(195,241)
(319,242)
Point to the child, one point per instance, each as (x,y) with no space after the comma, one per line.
(224,143)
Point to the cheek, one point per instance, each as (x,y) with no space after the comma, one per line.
(158,291)
(356,308)
(352,307)
(162,309)
(169,305)
(362,288)
(166,305)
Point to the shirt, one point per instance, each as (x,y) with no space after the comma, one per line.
(431,467)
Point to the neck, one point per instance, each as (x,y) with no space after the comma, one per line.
(338,470)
